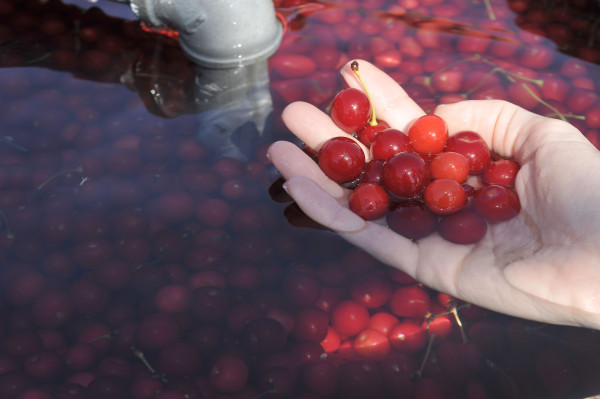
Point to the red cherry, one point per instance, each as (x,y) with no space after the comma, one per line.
(502,172)
(383,322)
(311,324)
(371,290)
(373,172)
(463,227)
(496,203)
(444,196)
(264,336)
(408,336)
(388,143)
(320,377)
(428,134)
(372,344)
(349,318)
(229,374)
(473,147)
(360,379)
(409,301)
(450,165)
(341,159)
(538,57)
(411,219)
(292,65)
(367,134)
(405,175)
(369,201)
(440,325)
(332,340)
(351,110)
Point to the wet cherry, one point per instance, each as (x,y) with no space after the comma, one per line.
(463,227)
(444,196)
(351,110)
(341,159)
(405,175)
(388,143)
(428,134)
(449,165)
(502,172)
(496,203)
(369,201)
(411,219)
(473,147)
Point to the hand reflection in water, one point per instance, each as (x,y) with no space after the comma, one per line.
(542,265)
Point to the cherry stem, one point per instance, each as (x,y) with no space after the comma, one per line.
(490,10)
(475,57)
(77,30)
(570,116)
(38,59)
(105,336)
(4,220)
(432,338)
(482,81)
(11,141)
(354,66)
(493,366)
(140,355)
(78,169)
(535,96)
(454,311)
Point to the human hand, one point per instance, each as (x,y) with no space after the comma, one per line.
(542,265)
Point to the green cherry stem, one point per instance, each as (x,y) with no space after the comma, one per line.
(354,66)
(78,169)
(489,10)
(4,221)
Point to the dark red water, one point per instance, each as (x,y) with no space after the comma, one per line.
(148,250)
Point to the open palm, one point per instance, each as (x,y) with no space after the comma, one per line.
(542,265)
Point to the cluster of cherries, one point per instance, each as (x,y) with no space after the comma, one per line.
(418,181)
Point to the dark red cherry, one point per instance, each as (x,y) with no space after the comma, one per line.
(502,172)
(388,143)
(463,227)
(405,175)
(341,159)
(473,147)
(367,134)
(496,203)
(412,219)
(369,201)
(373,172)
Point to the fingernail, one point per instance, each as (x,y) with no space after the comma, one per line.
(268,156)
(285,187)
